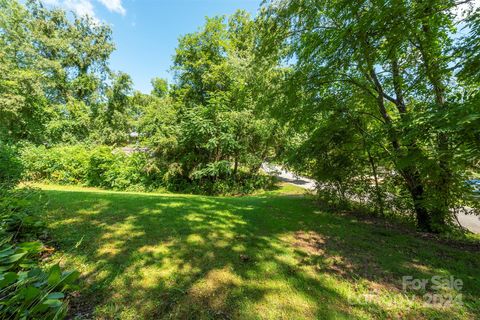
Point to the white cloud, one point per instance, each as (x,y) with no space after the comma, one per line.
(80,7)
(51,2)
(114,6)
(86,7)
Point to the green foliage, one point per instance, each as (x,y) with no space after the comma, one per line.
(113,119)
(127,172)
(374,99)
(95,166)
(100,161)
(28,291)
(106,167)
(206,129)
(160,87)
(62,164)
(377,100)
(24,108)
(10,166)
(213,134)
(216,179)
(469,49)
(20,215)
(52,68)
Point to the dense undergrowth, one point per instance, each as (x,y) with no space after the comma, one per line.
(110,168)
(28,289)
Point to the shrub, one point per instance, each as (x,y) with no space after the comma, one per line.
(62,164)
(19,215)
(242,183)
(127,172)
(26,290)
(106,167)
(10,166)
(100,162)
(113,169)
(99,166)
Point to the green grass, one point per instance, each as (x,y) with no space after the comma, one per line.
(268,256)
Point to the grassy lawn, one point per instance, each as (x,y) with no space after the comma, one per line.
(268,256)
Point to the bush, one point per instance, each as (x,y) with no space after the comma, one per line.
(20,215)
(242,183)
(64,164)
(100,162)
(26,290)
(113,169)
(29,292)
(10,166)
(128,172)
(99,166)
(109,168)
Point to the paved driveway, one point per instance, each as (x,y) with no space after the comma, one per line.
(470,222)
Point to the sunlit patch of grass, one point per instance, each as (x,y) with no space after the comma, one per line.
(268,256)
(286,188)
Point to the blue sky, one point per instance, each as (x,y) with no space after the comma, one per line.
(146,32)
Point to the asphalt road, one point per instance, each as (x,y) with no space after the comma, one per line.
(470,222)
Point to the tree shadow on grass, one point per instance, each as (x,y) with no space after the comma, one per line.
(190,257)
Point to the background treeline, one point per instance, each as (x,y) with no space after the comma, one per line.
(376,100)
(202,134)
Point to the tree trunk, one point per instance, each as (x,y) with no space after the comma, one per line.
(410,174)
(435,73)
(235,167)
(415,187)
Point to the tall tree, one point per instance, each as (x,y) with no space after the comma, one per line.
(221,132)
(24,110)
(394,58)
(160,87)
(55,67)
(114,118)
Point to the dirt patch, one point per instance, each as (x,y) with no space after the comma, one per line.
(309,241)
(80,307)
(321,253)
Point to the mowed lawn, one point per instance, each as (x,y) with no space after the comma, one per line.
(268,256)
